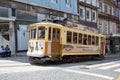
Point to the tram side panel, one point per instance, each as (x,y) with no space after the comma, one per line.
(77,49)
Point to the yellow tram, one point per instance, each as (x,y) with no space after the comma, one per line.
(50,41)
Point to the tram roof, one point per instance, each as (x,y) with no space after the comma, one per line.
(47,23)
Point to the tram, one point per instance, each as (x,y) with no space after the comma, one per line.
(55,42)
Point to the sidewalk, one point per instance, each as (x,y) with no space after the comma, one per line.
(112,56)
(19,58)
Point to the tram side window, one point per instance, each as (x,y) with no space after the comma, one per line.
(97,41)
(89,40)
(49,33)
(69,37)
(58,34)
(85,39)
(33,33)
(80,39)
(93,40)
(41,32)
(54,33)
(74,38)
(102,40)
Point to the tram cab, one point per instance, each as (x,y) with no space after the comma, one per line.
(44,41)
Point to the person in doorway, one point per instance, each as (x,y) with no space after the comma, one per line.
(8,51)
(3,52)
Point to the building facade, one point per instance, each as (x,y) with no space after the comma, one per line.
(108,24)
(88,13)
(16,15)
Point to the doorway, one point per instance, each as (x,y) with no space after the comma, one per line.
(4,33)
(55,49)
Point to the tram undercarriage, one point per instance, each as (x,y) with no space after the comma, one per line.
(65,59)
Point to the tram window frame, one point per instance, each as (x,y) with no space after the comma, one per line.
(49,33)
(102,40)
(80,40)
(75,36)
(85,39)
(54,33)
(93,40)
(58,34)
(41,35)
(69,37)
(89,40)
(33,36)
(97,40)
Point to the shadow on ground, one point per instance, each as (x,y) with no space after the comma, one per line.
(20,57)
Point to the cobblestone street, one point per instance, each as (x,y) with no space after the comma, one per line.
(18,68)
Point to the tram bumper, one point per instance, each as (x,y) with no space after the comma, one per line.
(35,54)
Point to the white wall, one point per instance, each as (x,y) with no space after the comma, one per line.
(12,37)
(22,37)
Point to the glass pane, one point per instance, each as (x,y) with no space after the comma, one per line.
(69,36)
(85,39)
(54,33)
(89,40)
(74,37)
(49,33)
(93,40)
(41,32)
(24,15)
(97,41)
(58,34)
(80,39)
(4,12)
(33,33)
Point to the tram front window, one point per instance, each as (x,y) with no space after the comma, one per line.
(41,32)
(33,33)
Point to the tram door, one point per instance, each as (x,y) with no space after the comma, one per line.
(55,47)
(102,48)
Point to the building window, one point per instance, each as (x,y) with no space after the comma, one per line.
(100,5)
(88,14)
(68,2)
(105,8)
(93,16)
(81,13)
(4,12)
(114,12)
(54,1)
(110,10)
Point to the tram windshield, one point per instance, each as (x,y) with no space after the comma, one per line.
(33,32)
(41,32)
